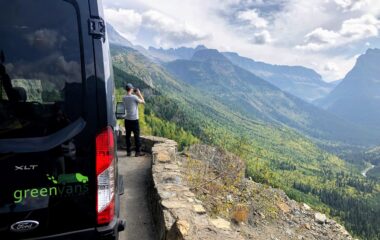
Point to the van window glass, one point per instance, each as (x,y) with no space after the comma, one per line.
(40,67)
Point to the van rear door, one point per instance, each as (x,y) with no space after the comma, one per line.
(47,144)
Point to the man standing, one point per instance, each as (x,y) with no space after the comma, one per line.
(131,102)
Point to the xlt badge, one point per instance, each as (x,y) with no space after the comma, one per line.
(25,167)
(24,226)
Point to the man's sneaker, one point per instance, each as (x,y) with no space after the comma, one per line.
(139,154)
(128,154)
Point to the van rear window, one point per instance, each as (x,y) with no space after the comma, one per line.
(40,67)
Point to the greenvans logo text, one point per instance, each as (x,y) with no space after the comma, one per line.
(67,185)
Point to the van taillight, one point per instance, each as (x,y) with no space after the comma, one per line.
(105,173)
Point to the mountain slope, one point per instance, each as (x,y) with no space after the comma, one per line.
(357,97)
(115,38)
(241,90)
(274,154)
(299,81)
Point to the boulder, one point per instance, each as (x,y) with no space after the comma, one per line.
(320,218)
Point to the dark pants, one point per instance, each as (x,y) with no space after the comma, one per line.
(132,126)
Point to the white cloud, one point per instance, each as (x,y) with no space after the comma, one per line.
(252,16)
(252,25)
(126,21)
(351,30)
(232,25)
(318,39)
(321,35)
(360,28)
(169,31)
(262,37)
(352,5)
(334,68)
(329,66)
(165,30)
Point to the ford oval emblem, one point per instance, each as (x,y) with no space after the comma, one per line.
(24,226)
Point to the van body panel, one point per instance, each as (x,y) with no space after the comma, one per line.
(56,95)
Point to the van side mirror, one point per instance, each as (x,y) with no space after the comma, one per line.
(120,110)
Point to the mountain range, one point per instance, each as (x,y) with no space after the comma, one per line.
(232,80)
(357,97)
(171,54)
(258,99)
(234,89)
(299,81)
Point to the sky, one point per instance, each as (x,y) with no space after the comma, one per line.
(325,35)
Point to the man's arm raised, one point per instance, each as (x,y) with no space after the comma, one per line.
(140,97)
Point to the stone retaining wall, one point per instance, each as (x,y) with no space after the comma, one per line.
(177,214)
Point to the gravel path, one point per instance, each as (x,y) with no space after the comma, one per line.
(134,204)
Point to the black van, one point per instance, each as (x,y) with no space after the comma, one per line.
(58,163)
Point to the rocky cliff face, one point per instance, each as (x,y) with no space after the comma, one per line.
(287,219)
(202,194)
(254,210)
(177,213)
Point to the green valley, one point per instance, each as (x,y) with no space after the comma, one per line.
(276,153)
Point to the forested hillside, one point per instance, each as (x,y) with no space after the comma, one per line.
(275,154)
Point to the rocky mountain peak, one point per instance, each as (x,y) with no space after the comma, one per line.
(356,98)
(368,62)
(366,68)
(209,55)
(200,47)
(373,51)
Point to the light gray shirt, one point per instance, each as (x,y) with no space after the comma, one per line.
(131,103)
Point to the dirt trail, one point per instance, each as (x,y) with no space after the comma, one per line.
(134,204)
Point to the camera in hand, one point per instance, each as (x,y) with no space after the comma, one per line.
(135,90)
